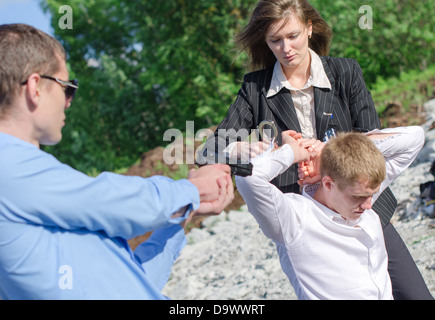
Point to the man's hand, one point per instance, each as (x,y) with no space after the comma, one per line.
(291,133)
(225,197)
(248,150)
(215,187)
(309,171)
(303,149)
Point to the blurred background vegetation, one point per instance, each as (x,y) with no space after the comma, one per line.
(149,65)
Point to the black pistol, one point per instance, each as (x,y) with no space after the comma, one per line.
(241,169)
(238,167)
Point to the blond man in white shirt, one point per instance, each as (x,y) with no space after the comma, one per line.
(329,240)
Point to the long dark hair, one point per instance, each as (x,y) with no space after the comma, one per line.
(252,39)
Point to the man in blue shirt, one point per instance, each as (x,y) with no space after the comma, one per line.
(62,233)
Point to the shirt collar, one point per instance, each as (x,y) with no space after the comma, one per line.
(310,190)
(318,77)
(360,224)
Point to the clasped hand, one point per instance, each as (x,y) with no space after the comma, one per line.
(215,187)
(307,155)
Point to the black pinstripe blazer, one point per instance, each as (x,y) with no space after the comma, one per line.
(349,102)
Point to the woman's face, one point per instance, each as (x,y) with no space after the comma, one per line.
(288,40)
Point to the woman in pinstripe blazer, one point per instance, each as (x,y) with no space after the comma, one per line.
(299,88)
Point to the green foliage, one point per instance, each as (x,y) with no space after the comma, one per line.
(402,37)
(147,66)
(412,88)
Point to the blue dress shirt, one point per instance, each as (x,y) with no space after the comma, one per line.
(63,234)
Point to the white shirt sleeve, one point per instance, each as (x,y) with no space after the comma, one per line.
(399,150)
(265,201)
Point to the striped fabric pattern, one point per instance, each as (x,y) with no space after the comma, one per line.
(348,106)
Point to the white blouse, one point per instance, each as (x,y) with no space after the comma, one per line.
(303,99)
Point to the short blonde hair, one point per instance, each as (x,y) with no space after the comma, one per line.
(350,157)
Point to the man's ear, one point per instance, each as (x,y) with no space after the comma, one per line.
(327,182)
(32,91)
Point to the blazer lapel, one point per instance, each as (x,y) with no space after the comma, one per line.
(282,106)
(324,103)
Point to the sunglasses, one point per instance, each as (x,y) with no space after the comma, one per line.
(70,87)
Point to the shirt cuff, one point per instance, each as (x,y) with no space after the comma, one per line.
(191,192)
(271,163)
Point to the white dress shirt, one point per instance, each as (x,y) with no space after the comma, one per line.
(323,255)
(303,99)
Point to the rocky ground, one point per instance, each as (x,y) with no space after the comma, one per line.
(230,258)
